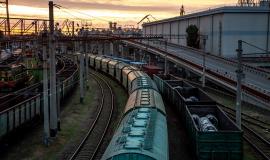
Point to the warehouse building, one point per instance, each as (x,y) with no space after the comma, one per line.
(220,27)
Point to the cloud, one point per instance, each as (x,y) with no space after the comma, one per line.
(100,5)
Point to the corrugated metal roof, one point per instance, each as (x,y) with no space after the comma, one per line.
(206,12)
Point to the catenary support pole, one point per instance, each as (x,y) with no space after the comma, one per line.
(86,65)
(240,75)
(165,59)
(53,104)
(204,66)
(45,96)
(81,75)
(58,90)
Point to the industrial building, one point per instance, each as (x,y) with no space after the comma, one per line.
(221,27)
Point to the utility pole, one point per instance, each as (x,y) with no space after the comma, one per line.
(165,63)
(58,90)
(86,65)
(53,104)
(73,28)
(8,20)
(204,66)
(81,74)
(45,96)
(240,75)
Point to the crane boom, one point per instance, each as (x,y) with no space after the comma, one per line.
(143,18)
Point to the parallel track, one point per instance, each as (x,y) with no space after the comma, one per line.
(89,146)
(247,118)
(11,99)
(256,141)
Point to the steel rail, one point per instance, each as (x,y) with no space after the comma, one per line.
(93,125)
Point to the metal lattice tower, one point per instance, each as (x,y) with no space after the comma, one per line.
(7,12)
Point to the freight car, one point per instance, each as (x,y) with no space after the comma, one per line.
(142,82)
(112,69)
(17,116)
(142,133)
(180,93)
(92,61)
(225,143)
(105,65)
(129,74)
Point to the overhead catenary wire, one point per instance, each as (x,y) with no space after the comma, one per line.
(267,52)
(69,13)
(82,13)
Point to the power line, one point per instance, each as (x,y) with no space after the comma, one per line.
(91,16)
(252,45)
(67,12)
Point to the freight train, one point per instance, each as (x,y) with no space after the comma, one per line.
(142,133)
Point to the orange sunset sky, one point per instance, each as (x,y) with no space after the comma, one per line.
(100,11)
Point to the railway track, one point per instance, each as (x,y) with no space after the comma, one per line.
(255,140)
(14,98)
(90,144)
(11,99)
(248,119)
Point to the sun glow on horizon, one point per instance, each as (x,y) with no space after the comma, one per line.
(102,11)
